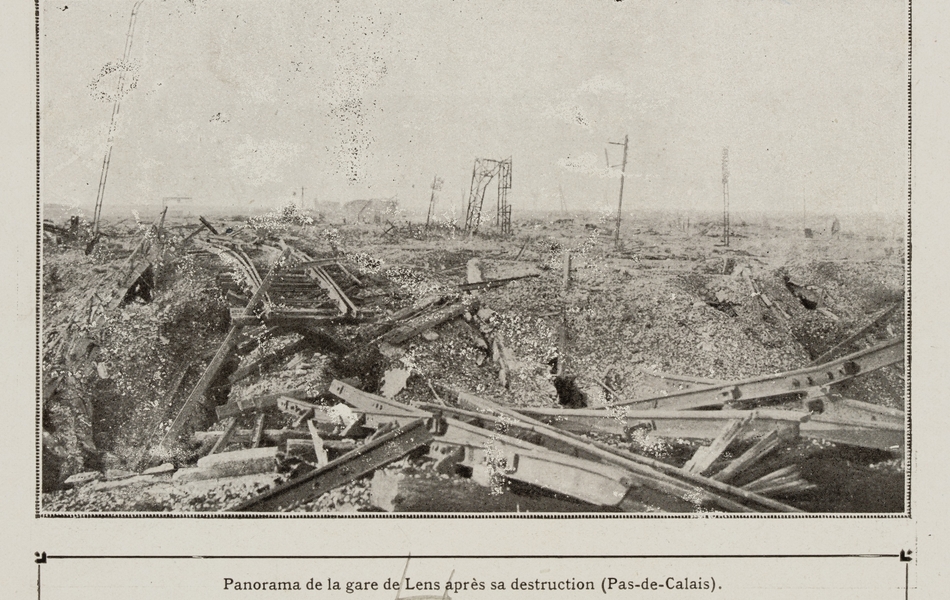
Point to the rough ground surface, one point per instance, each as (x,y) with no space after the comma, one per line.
(670,300)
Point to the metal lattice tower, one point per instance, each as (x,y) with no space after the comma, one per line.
(484,171)
(725,197)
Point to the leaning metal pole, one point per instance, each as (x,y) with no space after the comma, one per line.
(725,197)
(623,176)
(116,105)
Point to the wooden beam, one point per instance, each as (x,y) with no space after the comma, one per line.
(707,455)
(225,438)
(411,330)
(493,283)
(758,450)
(258,431)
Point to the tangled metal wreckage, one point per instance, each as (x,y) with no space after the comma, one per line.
(313,391)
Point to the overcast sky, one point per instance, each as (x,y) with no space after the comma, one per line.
(238,102)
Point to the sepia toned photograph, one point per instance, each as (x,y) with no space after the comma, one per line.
(592,258)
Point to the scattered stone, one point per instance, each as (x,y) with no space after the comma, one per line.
(81,478)
(116,474)
(485,313)
(390,351)
(343,415)
(474,271)
(119,483)
(447,457)
(190,474)
(160,469)
(239,462)
(394,381)
(430,336)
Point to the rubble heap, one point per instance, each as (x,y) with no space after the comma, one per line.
(282,365)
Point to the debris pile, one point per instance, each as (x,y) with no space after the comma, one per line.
(275,364)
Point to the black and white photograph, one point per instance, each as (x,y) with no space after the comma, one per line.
(432,257)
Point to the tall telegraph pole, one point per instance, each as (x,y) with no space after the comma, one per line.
(623,173)
(725,196)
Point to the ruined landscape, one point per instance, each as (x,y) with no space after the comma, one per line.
(289,363)
(333,258)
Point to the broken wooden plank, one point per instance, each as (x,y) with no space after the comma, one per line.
(774,475)
(760,449)
(207,224)
(789,488)
(790,382)
(129,283)
(410,330)
(258,431)
(225,438)
(493,283)
(347,272)
(318,448)
(705,456)
(352,465)
(237,317)
(784,480)
(303,447)
(192,234)
(503,358)
(375,330)
(269,360)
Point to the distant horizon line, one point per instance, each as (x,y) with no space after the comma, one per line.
(417,211)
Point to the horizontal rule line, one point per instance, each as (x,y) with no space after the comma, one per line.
(463,556)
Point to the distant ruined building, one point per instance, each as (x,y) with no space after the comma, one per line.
(375,210)
(179,206)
